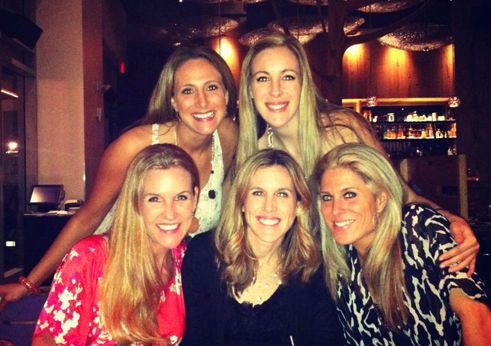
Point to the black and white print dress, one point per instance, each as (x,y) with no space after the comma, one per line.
(424,237)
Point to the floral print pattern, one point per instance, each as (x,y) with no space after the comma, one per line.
(71,313)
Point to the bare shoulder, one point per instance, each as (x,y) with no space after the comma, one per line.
(343,117)
(229,136)
(133,140)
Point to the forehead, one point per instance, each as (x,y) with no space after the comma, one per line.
(275,58)
(167,179)
(340,177)
(271,176)
(196,69)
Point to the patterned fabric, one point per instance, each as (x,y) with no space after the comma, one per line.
(208,209)
(71,313)
(424,237)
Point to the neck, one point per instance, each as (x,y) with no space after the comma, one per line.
(190,140)
(286,138)
(266,254)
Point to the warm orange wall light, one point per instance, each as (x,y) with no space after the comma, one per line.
(354,53)
(450,59)
(397,56)
(228,50)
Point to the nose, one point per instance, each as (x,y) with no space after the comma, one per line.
(169,211)
(269,203)
(337,207)
(275,87)
(202,99)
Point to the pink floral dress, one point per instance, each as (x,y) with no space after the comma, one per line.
(71,312)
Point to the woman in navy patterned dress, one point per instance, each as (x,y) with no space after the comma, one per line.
(381,259)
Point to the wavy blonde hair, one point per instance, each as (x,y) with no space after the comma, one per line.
(235,257)
(309,129)
(383,269)
(132,282)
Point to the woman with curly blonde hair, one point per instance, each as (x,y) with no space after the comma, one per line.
(256,279)
(125,287)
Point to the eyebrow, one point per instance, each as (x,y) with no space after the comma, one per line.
(280,189)
(282,71)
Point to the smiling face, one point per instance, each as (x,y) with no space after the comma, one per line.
(276,85)
(167,207)
(269,207)
(199,97)
(349,208)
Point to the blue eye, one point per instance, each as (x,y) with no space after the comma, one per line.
(325,197)
(349,194)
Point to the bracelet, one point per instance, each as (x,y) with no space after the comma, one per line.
(29,285)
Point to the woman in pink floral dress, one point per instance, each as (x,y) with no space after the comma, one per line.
(125,287)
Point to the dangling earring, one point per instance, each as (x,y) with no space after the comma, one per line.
(194,225)
(269,133)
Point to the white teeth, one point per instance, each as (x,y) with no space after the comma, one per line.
(269,221)
(168,228)
(343,223)
(203,115)
(277,106)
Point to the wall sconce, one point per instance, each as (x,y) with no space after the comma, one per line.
(454,102)
(12,148)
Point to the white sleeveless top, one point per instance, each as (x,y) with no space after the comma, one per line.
(209,205)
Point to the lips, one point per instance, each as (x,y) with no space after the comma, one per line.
(268,221)
(204,116)
(277,106)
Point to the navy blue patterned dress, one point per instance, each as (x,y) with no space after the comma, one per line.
(424,237)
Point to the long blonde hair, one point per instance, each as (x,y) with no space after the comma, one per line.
(299,254)
(383,269)
(132,282)
(309,129)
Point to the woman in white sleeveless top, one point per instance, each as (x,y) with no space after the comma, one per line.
(192,106)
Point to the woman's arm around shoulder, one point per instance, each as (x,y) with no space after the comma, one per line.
(475,317)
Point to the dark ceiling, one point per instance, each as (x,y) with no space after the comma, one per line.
(165,22)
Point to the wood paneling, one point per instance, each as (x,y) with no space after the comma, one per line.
(373,69)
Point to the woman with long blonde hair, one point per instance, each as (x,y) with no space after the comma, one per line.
(381,259)
(125,287)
